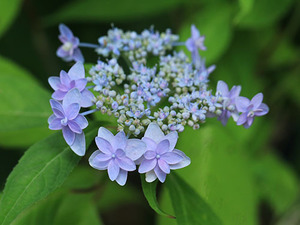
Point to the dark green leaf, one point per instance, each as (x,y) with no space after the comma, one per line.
(8,11)
(43,212)
(110,11)
(77,209)
(189,207)
(24,107)
(149,190)
(42,169)
(265,12)
(280,193)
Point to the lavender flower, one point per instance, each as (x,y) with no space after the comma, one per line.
(75,78)
(69,50)
(250,109)
(228,101)
(116,154)
(194,43)
(161,156)
(66,117)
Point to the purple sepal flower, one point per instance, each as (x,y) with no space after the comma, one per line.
(228,101)
(66,117)
(69,50)
(116,154)
(161,156)
(75,78)
(250,109)
(194,43)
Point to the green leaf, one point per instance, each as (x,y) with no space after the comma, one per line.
(189,207)
(110,11)
(77,209)
(220,172)
(280,193)
(8,12)
(149,190)
(42,169)
(24,107)
(265,12)
(43,212)
(115,195)
(245,7)
(214,22)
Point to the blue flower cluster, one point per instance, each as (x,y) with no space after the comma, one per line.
(151,103)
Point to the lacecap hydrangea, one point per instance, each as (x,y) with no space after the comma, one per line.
(152,103)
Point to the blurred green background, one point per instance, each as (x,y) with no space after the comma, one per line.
(248,177)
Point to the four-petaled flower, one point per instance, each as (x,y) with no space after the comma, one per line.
(194,43)
(116,154)
(69,50)
(229,101)
(250,109)
(75,78)
(161,156)
(66,117)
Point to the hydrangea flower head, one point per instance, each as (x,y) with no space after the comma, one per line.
(161,155)
(250,109)
(66,117)
(229,101)
(116,154)
(75,78)
(69,50)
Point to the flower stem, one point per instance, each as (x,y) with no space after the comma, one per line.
(89,112)
(88,45)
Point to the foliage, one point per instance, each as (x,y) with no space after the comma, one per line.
(233,172)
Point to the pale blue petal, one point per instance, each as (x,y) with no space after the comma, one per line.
(105,134)
(150,155)
(73,96)
(163,166)
(55,124)
(147,165)
(77,56)
(263,110)
(126,164)
(79,144)
(172,137)
(74,127)
(80,84)
(154,132)
(135,148)
(72,111)
(172,157)
(257,100)
(163,147)
(222,87)
(160,174)
(65,31)
(185,162)
(151,145)
(104,145)
(54,82)
(119,141)
(87,98)
(81,121)
(113,170)
(150,176)
(69,135)
(58,95)
(122,177)
(242,119)
(77,71)
(242,104)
